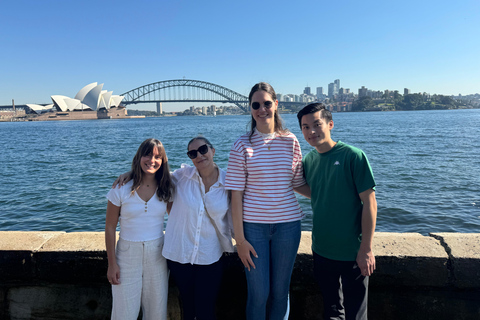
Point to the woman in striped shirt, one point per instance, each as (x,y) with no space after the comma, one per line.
(264,170)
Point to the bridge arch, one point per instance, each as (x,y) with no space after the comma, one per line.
(177,91)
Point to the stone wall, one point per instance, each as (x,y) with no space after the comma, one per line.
(58,275)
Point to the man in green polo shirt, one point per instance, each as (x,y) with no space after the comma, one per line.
(344,216)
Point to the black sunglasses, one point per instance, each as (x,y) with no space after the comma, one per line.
(192,154)
(267,104)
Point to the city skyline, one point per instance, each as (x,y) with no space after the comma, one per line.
(56,47)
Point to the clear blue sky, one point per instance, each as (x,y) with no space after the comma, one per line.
(57,47)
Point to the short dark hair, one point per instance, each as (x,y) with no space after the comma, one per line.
(312,108)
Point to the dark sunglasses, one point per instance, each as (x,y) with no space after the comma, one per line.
(267,104)
(192,154)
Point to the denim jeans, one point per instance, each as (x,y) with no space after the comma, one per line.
(276,246)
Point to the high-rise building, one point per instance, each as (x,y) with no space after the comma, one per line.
(337,86)
(331,90)
(159,108)
(406,91)
(319,92)
(362,92)
(307,90)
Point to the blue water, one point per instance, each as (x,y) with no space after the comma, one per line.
(55,174)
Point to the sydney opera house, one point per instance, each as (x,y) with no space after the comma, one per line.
(91,102)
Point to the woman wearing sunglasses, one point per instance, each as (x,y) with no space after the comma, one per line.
(264,169)
(198,231)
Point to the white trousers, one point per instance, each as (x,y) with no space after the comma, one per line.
(143,281)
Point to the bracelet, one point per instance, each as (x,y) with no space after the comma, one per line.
(239,244)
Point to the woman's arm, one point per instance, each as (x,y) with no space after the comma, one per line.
(304,191)
(122,179)
(244,248)
(111,221)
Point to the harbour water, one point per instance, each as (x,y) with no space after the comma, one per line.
(55,175)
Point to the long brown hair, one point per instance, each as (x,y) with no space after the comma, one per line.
(263,86)
(165,185)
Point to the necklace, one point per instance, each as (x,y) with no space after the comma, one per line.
(269,144)
(266,136)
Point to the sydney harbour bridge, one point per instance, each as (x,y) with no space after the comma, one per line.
(185,90)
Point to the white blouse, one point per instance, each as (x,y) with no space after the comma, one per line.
(139,220)
(190,236)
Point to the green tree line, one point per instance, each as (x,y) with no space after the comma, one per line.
(415,101)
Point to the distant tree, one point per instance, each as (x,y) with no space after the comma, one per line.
(412,102)
(397,98)
(448,101)
(362,103)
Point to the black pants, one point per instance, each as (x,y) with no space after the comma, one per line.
(344,289)
(198,286)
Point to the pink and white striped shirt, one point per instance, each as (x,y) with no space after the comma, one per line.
(267,170)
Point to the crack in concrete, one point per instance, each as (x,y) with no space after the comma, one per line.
(450,262)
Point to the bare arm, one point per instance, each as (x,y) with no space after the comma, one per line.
(111,221)
(365,256)
(304,191)
(244,248)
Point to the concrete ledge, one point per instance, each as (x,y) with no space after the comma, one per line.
(17,249)
(58,275)
(464,257)
(409,259)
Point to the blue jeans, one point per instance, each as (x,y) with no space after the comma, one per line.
(276,246)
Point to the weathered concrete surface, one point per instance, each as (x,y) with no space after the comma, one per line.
(409,259)
(17,249)
(59,302)
(76,242)
(26,240)
(57,275)
(464,253)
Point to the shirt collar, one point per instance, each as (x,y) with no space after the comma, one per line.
(192,171)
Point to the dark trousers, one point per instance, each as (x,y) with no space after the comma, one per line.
(198,286)
(344,289)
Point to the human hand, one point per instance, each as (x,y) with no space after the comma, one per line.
(366,262)
(245,251)
(113,274)
(122,179)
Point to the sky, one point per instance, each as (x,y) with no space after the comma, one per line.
(54,47)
